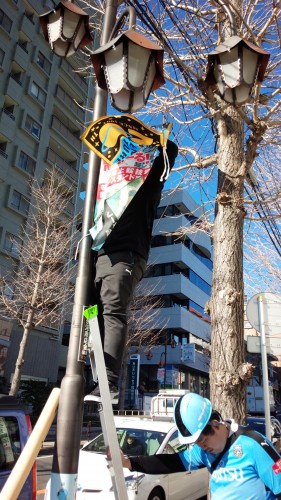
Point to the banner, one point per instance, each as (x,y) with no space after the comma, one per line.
(114,138)
(134,369)
(127,148)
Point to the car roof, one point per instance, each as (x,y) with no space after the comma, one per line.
(259,419)
(145,424)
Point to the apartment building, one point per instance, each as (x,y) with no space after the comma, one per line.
(42,114)
(180,275)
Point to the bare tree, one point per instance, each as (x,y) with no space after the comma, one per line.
(36,288)
(222,145)
(144,330)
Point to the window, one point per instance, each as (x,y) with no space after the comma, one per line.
(2,55)
(158,270)
(43,62)
(12,244)
(17,76)
(170,210)
(19,202)
(201,256)
(9,110)
(26,163)
(198,308)
(5,21)
(29,16)
(196,280)
(23,45)
(33,127)
(161,240)
(3,147)
(38,93)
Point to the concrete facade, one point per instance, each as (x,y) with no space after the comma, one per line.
(43,102)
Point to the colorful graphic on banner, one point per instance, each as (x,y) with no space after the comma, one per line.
(127,148)
(114,138)
(117,186)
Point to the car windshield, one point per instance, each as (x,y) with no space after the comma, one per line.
(131,441)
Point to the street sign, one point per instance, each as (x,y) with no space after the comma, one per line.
(271,311)
(273,345)
(188,353)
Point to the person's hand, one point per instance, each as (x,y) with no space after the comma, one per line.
(126,462)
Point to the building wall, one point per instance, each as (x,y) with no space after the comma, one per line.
(42,115)
(182,277)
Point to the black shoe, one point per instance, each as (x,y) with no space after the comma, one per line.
(96,396)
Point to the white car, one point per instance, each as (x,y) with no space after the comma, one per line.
(154,436)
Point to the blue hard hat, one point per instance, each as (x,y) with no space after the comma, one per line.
(192,413)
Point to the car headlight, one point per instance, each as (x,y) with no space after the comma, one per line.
(133,482)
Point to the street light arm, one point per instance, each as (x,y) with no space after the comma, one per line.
(128,12)
(230,15)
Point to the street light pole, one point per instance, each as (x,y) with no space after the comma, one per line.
(70,412)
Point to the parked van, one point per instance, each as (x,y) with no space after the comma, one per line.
(15,428)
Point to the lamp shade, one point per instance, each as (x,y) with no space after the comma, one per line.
(66,28)
(130,66)
(234,67)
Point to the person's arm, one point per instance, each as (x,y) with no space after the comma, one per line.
(267,464)
(154,464)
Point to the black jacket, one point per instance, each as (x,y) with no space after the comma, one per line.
(134,228)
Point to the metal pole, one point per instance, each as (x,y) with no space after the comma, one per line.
(165,372)
(69,420)
(264,368)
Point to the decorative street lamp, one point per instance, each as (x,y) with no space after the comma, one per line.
(129,66)
(236,65)
(66,28)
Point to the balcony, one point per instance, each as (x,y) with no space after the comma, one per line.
(69,208)
(182,320)
(75,78)
(7,124)
(3,154)
(175,284)
(21,56)
(70,104)
(170,224)
(27,27)
(66,133)
(61,164)
(37,5)
(14,89)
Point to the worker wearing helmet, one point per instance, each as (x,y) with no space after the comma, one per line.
(243,463)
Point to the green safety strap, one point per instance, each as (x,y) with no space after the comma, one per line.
(91,312)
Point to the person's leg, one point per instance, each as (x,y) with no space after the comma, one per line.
(117,275)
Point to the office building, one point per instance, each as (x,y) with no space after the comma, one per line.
(180,275)
(43,103)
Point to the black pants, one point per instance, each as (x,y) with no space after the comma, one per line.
(117,275)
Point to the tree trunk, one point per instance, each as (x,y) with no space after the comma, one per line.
(228,373)
(20,359)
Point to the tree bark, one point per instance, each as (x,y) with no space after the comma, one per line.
(228,373)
